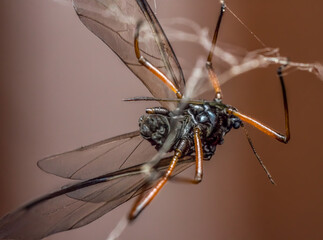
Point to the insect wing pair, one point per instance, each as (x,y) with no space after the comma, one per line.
(111,170)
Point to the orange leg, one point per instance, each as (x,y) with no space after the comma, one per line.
(212,76)
(198,155)
(143,201)
(214,80)
(142,60)
(157,110)
(269,131)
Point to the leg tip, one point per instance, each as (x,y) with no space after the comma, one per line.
(198,179)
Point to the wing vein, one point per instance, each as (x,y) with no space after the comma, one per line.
(131,153)
(97,157)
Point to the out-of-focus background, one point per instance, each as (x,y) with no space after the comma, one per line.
(61,88)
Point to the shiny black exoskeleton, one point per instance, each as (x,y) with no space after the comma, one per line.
(211,118)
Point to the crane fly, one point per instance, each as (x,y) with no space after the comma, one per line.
(180,133)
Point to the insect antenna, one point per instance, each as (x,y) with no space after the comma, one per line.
(149,99)
(257,156)
(153,99)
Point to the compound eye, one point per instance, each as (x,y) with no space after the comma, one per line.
(202,118)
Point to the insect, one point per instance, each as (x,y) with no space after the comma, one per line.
(183,131)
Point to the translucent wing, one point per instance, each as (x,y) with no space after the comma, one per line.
(79,204)
(114,22)
(100,158)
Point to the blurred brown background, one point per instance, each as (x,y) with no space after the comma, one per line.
(61,88)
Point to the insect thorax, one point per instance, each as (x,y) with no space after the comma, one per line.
(214,123)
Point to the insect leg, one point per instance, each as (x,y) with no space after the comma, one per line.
(198,155)
(212,76)
(143,201)
(257,156)
(142,60)
(269,131)
(157,110)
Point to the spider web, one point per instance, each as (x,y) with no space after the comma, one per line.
(235,60)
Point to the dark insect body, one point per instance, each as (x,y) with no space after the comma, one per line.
(184,132)
(213,122)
